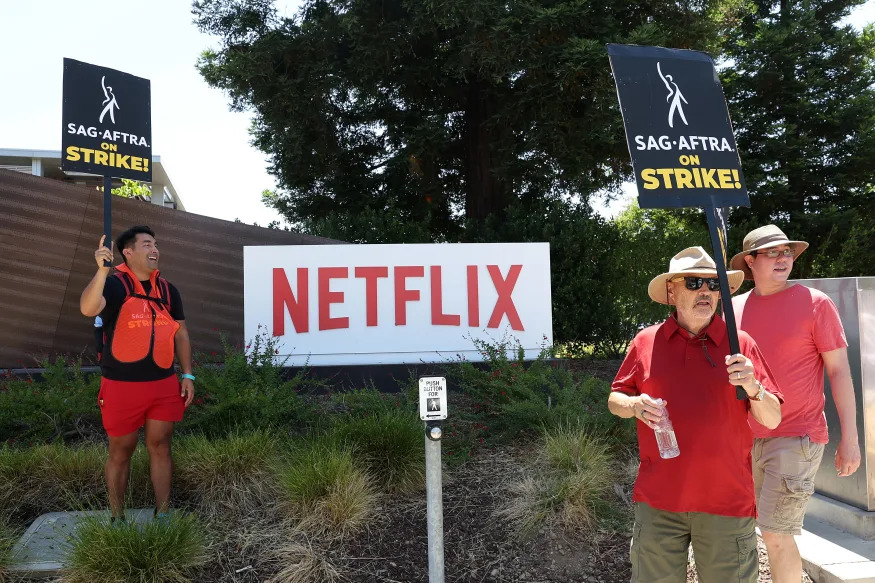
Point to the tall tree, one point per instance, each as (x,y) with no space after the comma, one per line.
(435,113)
(801,89)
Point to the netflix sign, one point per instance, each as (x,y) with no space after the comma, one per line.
(390,304)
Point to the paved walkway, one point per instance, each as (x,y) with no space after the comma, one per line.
(830,555)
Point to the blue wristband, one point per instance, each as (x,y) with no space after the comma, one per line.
(188,376)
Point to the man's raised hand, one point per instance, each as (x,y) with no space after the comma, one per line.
(103,254)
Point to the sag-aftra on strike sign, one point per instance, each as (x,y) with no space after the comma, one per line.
(357,304)
(107,122)
(677,127)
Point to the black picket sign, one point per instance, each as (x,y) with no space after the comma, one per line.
(677,127)
(106,122)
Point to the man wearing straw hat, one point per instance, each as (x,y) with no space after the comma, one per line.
(683,368)
(799,331)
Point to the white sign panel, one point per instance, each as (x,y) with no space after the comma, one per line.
(432,398)
(390,304)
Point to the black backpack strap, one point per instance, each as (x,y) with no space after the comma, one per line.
(129,290)
(164,286)
(126,282)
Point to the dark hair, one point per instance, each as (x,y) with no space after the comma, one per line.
(129,237)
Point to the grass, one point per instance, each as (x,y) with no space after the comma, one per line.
(301,563)
(228,476)
(567,486)
(325,490)
(56,477)
(164,551)
(391,444)
(7,539)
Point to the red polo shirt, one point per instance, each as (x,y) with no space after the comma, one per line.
(713,471)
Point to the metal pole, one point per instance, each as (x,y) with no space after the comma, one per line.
(434,498)
(107,214)
(719,247)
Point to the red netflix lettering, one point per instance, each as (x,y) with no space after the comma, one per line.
(473,297)
(504,303)
(328,297)
(370,275)
(402,294)
(284,298)
(438,318)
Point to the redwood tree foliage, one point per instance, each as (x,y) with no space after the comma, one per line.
(801,90)
(418,120)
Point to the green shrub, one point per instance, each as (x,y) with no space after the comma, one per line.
(325,490)
(366,401)
(60,406)
(226,476)
(513,396)
(165,551)
(390,444)
(571,474)
(248,392)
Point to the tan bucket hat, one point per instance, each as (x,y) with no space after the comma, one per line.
(763,238)
(690,261)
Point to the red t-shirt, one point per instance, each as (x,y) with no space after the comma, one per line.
(792,328)
(713,471)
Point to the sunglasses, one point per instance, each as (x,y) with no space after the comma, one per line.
(694,283)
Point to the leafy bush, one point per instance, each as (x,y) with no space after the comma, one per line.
(165,550)
(325,489)
(366,401)
(390,444)
(512,395)
(570,476)
(248,392)
(60,406)
(228,476)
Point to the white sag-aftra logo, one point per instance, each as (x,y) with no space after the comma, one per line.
(109,104)
(675,95)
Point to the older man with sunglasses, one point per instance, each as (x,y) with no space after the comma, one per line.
(799,331)
(705,495)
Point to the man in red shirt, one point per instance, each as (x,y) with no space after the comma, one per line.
(705,495)
(799,331)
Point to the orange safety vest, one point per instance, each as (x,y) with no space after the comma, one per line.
(144,326)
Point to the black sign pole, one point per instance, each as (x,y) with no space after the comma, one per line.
(107,214)
(719,245)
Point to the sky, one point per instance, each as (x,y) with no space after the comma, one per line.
(204,147)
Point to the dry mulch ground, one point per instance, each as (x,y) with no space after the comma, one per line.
(479,548)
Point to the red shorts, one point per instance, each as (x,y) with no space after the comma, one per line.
(125,406)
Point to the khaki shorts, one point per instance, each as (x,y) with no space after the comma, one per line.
(725,547)
(783,476)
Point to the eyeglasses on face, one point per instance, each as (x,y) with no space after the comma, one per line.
(773,253)
(693,283)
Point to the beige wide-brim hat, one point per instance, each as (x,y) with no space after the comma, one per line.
(763,238)
(690,261)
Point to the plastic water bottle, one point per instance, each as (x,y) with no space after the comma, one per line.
(665,438)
